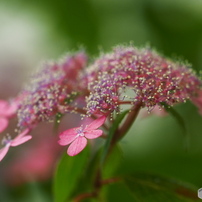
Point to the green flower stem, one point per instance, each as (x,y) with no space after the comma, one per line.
(122,131)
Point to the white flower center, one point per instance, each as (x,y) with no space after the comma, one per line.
(6,140)
(81,134)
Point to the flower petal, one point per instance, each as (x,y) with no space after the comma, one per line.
(7,109)
(93,134)
(23,133)
(3,124)
(3,106)
(16,142)
(11,110)
(71,131)
(67,136)
(19,138)
(77,146)
(96,123)
(4,151)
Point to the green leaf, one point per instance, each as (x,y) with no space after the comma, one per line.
(176,115)
(179,120)
(112,130)
(117,192)
(112,162)
(86,182)
(68,173)
(145,187)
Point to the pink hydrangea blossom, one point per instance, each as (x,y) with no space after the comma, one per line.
(35,162)
(8,142)
(7,110)
(77,137)
(148,76)
(52,90)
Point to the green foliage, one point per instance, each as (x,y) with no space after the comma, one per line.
(111,133)
(112,162)
(148,188)
(87,181)
(68,173)
(118,192)
(179,119)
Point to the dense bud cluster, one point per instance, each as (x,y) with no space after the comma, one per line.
(104,94)
(51,90)
(152,78)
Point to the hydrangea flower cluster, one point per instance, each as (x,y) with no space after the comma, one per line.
(51,91)
(98,91)
(152,78)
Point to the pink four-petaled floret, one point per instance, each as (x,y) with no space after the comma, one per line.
(77,137)
(20,139)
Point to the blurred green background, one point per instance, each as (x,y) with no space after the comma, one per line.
(37,30)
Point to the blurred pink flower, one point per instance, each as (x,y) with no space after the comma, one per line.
(52,90)
(77,137)
(35,162)
(7,110)
(20,139)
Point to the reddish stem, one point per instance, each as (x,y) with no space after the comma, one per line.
(98,185)
(84,196)
(127,124)
(111,180)
(125,102)
(104,136)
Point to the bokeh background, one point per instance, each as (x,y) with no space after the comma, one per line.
(33,31)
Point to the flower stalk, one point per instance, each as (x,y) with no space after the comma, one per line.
(122,131)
